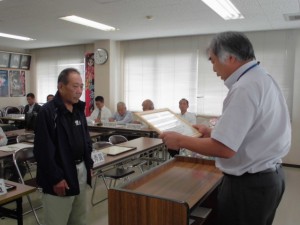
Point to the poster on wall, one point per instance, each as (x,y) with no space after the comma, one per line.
(17,83)
(89,83)
(3,83)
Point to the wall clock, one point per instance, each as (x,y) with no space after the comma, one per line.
(100,56)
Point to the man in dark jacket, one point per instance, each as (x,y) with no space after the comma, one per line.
(62,148)
(32,106)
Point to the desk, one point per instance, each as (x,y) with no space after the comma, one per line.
(142,144)
(15,195)
(122,130)
(7,151)
(12,135)
(167,194)
(14,117)
(17,119)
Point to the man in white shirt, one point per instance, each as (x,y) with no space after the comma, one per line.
(250,138)
(188,116)
(101,113)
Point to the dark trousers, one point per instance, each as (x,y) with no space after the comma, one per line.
(250,199)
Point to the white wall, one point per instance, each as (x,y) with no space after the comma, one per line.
(294,155)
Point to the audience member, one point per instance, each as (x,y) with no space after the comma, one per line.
(32,106)
(62,148)
(122,116)
(147,105)
(188,116)
(101,113)
(50,97)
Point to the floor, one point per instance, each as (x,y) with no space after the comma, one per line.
(287,213)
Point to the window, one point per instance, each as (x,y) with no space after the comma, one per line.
(50,62)
(167,70)
(163,70)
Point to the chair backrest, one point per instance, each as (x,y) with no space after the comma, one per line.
(21,108)
(22,159)
(116,139)
(2,112)
(11,110)
(101,144)
(25,137)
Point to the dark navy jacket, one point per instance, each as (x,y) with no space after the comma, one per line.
(36,108)
(52,147)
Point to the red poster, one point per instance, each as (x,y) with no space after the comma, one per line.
(89,83)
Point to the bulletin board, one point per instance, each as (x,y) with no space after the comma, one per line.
(162,120)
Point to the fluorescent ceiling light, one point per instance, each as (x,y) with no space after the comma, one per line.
(224,8)
(89,23)
(16,37)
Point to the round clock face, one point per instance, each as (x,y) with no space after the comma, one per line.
(100,56)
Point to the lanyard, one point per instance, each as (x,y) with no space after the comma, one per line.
(251,67)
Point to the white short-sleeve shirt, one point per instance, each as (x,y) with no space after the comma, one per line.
(190,117)
(105,114)
(255,122)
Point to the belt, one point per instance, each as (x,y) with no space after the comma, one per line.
(269,170)
(78,161)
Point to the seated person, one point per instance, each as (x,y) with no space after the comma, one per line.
(31,110)
(32,106)
(122,116)
(188,116)
(50,97)
(146,105)
(101,113)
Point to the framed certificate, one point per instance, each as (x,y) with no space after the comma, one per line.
(25,62)
(15,61)
(165,120)
(4,59)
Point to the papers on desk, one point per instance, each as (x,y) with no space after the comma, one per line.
(109,124)
(15,147)
(116,150)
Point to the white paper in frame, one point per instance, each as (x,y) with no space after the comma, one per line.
(162,120)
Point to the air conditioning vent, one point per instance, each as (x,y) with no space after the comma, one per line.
(292,16)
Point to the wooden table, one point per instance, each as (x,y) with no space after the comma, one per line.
(15,195)
(122,130)
(142,145)
(167,194)
(15,117)
(12,135)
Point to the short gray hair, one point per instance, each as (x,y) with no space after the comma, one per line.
(232,43)
(121,104)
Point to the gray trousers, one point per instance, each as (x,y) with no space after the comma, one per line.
(250,199)
(70,210)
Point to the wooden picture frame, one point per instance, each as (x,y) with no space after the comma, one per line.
(165,120)
(25,62)
(4,59)
(15,61)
